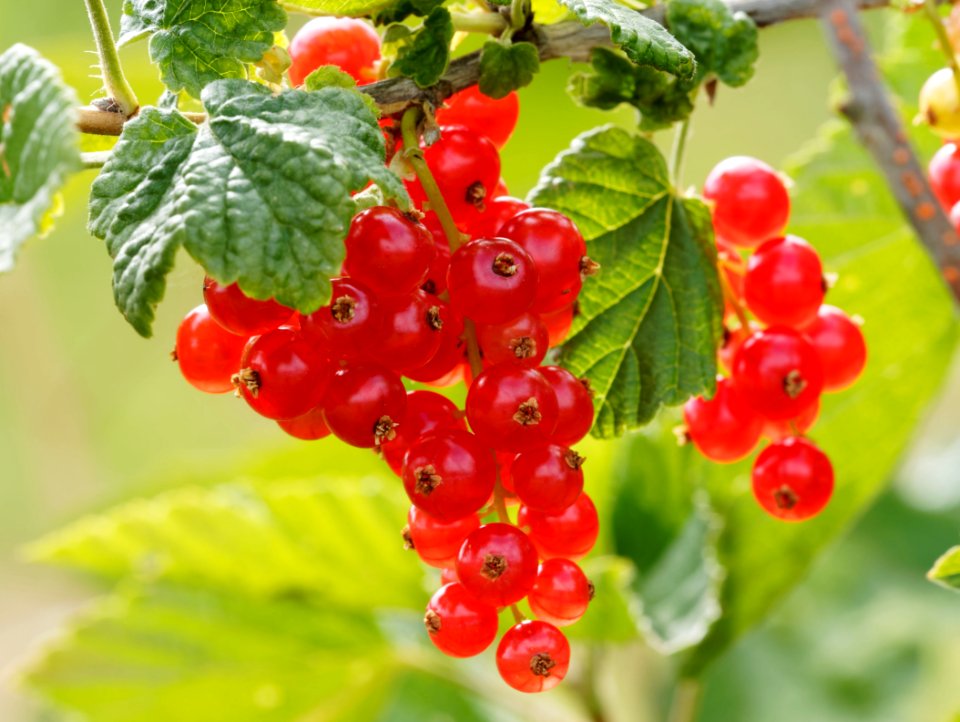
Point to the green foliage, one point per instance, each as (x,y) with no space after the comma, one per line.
(422,54)
(946,571)
(39,147)
(196,42)
(724,42)
(649,324)
(351,8)
(505,68)
(259,194)
(402,9)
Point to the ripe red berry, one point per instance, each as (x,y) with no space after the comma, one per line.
(350,325)
(309,427)
(570,534)
(495,119)
(491,280)
(725,428)
(438,542)
(351,45)
(240,314)
(842,348)
(497,564)
(557,249)
(733,338)
(364,405)
(524,340)
(512,408)
(548,478)
(208,354)
(282,375)
(784,282)
(459,624)
(778,372)
(944,172)
(445,368)
(412,326)
(575,404)
(533,656)
(561,593)
(449,474)
(426,411)
(466,166)
(792,479)
(750,202)
(493,217)
(388,251)
(780,430)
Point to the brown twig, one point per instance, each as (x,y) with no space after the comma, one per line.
(881,132)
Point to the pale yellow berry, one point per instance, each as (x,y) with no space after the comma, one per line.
(940,104)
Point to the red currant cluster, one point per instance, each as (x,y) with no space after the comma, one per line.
(479,301)
(781,362)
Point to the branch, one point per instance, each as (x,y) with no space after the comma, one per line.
(119,92)
(563,40)
(881,132)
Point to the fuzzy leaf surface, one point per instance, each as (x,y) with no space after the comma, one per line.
(505,68)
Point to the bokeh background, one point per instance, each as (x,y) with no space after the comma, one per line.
(91,414)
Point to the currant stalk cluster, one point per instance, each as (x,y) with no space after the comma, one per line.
(474,286)
(780,361)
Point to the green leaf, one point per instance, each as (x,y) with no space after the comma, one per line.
(39,147)
(946,572)
(424,55)
(645,41)
(402,9)
(724,42)
(505,68)
(259,194)
(196,42)
(650,321)
(346,8)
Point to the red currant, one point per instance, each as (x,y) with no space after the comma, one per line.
(840,343)
(240,314)
(208,354)
(495,119)
(351,325)
(944,172)
(780,430)
(792,479)
(558,324)
(309,427)
(412,327)
(571,534)
(523,340)
(388,251)
(491,280)
(459,624)
(497,564)
(426,411)
(364,405)
(750,202)
(724,428)
(495,215)
(512,408)
(351,45)
(533,656)
(575,403)
(548,478)
(438,542)
(784,282)
(445,368)
(561,593)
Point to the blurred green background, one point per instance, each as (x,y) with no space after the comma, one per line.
(91,414)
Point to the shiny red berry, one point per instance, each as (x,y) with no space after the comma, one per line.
(494,215)
(792,479)
(491,280)
(533,656)
(944,173)
(798,426)
(784,282)
(548,478)
(350,326)
(388,251)
(308,427)
(438,542)
(495,119)
(750,202)
(208,354)
(561,593)
(445,367)
(524,340)
(351,45)
(725,428)
(497,564)
(512,408)
(842,348)
(575,404)
(571,534)
(426,411)
(459,624)
(558,324)
(364,405)
(240,314)
(412,330)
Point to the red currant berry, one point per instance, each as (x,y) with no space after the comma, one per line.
(533,656)
(448,576)
(438,542)
(351,45)
(459,624)
(784,282)
(778,372)
(497,564)
(491,280)
(426,411)
(733,338)
(505,464)
(557,249)
(412,326)
(436,282)
(512,408)
(364,405)
(780,430)
(558,324)
(750,202)
(570,534)
(575,402)
(309,427)
(561,593)
(495,119)
(548,478)
(388,251)
(792,479)
(523,340)
(840,343)
(240,314)
(944,171)
(495,215)
(282,376)
(449,474)
(466,166)
(351,325)
(208,354)
(725,428)
(445,368)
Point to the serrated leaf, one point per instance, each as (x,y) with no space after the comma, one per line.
(39,147)
(259,194)
(343,8)
(724,42)
(424,55)
(505,68)
(649,323)
(196,42)
(645,41)
(946,571)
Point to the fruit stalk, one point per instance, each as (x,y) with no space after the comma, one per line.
(114,81)
(930,7)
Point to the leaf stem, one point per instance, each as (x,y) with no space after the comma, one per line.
(676,154)
(114,81)
(686,700)
(483,22)
(933,14)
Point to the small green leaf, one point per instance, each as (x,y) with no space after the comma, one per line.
(259,194)
(344,8)
(946,572)
(326,76)
(424,55)
(505,68)
(403,9)
(649,323)
(39,147)
(645,41)
(724,42)
(196,42)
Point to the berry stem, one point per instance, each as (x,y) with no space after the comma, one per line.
(731,298)
(943,40)
(489,23)
(114,81)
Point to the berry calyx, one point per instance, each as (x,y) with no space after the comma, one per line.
(792,479)
(784,282)
(533,656)
(497,564)
(240,314)
(208,354)
(350,325)
(561,593)
(512,408)
(750,201)
(524,340)
(364,405)
(459,624)
(352,45)
(725,428)
(491,280)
